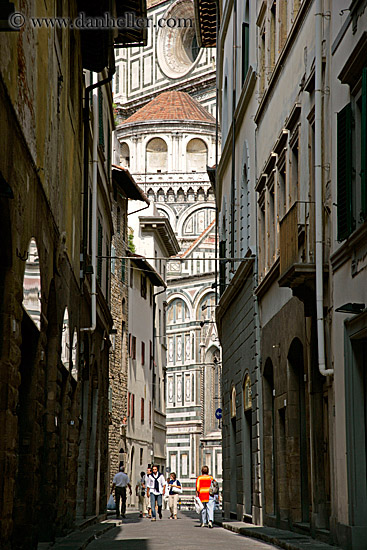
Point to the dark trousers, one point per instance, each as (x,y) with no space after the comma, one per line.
(120,493)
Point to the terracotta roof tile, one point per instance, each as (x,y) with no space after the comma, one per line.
(172,106)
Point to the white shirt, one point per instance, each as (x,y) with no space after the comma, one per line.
(121,479)
(150,483)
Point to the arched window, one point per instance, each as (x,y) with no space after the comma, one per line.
(170,195)
(74,356)
(198,221)
(151,195)
(65,340)
(156,156)
(125,156)
(233,402)
(160,195)
(180,195)
(32,285)
(201,194)
(196,156)
(247,395)
(190,195)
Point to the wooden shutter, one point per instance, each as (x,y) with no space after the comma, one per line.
(132,407)
(142,409)
(364,144)
(100,117)
(99,251)
(344,172)
(245,49)
(222,267)
(128,404)
(142,353)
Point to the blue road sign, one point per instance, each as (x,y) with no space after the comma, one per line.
(218,414)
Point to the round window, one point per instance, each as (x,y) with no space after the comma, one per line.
(177,47)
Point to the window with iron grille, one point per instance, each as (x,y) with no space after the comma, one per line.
(143,286)
(142,409)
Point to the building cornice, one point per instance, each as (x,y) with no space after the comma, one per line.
(163,228)
(235,286)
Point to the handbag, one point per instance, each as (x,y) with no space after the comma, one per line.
(111,504)
(198,505)
(176,490)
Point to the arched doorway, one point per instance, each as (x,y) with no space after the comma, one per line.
(25,508)
(247,464)
(297,434)
(233,455)
(269,438)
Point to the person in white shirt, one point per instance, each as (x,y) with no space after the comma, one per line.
(156,489)
(119,483)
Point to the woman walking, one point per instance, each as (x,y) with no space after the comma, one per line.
(174,490)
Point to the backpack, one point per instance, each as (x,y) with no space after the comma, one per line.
(214,488)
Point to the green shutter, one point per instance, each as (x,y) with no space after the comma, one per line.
(99,252)
(344,172)
(364,143)
(245,49)
(222,267)
(100,110)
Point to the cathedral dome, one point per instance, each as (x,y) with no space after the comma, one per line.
(172,106)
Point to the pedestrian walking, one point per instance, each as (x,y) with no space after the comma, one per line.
(119,484)
(140,493)
(203,484)
(156,490)
(174,490)
(149,509)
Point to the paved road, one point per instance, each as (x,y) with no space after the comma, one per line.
(181,534)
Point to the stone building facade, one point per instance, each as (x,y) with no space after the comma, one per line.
(124,188)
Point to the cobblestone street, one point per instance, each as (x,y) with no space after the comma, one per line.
(183,534)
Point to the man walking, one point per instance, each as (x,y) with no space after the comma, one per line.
(119,483)
(156,488)
(140,493)
(203,483)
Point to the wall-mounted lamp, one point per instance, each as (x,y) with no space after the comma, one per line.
(352,308)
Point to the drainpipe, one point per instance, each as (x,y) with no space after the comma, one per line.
(319,195)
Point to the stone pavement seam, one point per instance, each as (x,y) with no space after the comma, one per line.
(79,540)
(283,539)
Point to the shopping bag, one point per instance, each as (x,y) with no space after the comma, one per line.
(176,490)
(198,505)
(111,504)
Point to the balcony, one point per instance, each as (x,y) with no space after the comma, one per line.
(297,248)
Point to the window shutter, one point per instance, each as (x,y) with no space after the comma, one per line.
(128,404)
(222,267)
(344,172)
(142,409)
(99,252)
(245,50)
(100,112)
(364,143)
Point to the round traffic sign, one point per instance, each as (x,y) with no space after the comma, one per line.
(218,414)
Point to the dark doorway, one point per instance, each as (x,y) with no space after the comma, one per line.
(269,438)
(298,419)
(25,532)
